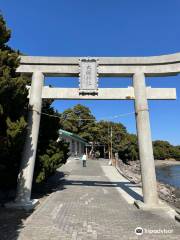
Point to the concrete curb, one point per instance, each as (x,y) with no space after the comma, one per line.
(115,174)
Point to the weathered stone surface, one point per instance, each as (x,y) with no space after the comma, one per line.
(25,176)
(107,93)
(162,59)
(88,76)
(108,66)
(144,140)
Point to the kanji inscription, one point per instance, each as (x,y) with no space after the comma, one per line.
(88,76)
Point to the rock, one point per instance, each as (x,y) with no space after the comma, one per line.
(177,193)
(165,191)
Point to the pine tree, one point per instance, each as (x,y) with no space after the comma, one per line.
(13,116)
(80,120)
(13,104)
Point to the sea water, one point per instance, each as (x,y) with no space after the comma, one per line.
(169,175)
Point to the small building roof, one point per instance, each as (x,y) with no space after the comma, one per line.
(72,135)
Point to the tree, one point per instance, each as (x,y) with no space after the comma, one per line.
(55,155)
(104,135)
(129,150)
(164,150)
(51,154)
(13,105)
(13,116)
(80,120)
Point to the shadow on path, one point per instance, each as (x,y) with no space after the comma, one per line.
(12,220)
(126,186)
(53,184)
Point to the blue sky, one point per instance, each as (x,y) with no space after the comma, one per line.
(103,28)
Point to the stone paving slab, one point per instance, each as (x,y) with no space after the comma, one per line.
(90,207)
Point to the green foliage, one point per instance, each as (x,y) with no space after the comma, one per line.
(13,116)
(55,155)
(164,150)
(104,135)
(13,104)
(71,120)
(99,134)
(129,150)
(4,32)
(80,120)
(50,154)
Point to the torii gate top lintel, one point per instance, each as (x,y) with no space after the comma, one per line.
(161,59)
(163,65)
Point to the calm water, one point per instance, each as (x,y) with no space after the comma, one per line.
(169,175)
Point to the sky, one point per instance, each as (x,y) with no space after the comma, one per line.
(103,28)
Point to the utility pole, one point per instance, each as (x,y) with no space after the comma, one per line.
(104,151)
(109,152)
(111,145)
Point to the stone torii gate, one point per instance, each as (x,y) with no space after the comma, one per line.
(88,69)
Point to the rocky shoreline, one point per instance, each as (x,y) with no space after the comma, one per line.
(166,192)
(166,162)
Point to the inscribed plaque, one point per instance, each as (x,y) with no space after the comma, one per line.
(88,76)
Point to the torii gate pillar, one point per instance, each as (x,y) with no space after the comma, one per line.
(148,175)
(25,178)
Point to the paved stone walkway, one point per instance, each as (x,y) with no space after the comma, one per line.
(90,207)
